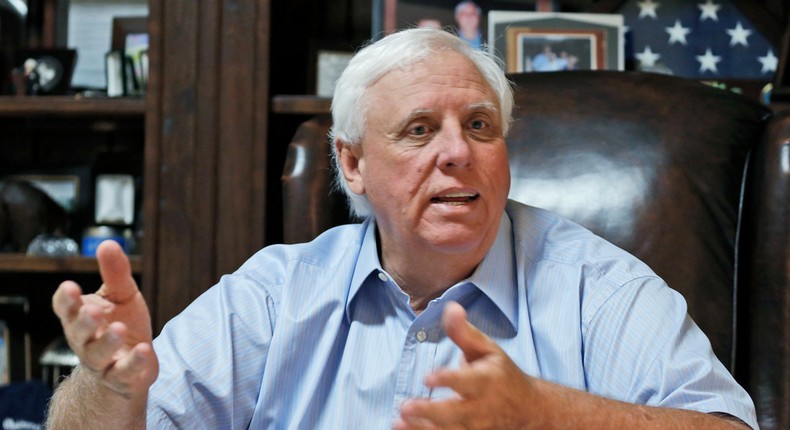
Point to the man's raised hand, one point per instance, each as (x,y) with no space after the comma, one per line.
(110,331)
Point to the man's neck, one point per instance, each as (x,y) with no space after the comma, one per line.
(426,276)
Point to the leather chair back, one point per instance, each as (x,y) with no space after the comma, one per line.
(691,179)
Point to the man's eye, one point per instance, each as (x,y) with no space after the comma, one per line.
(478,124)
(419,130)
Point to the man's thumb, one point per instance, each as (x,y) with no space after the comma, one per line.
(116,272)
(472,341)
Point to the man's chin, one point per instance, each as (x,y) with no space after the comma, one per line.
(458,240)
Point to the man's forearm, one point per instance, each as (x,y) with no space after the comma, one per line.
(594,412)
(80,402)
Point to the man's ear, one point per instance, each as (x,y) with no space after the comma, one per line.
(353,165)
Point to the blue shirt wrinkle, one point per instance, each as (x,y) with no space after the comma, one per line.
(311,336)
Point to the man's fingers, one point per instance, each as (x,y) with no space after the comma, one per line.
(84,327)
(474,343)
(465,383)
(66,301)
(116,272)
(134,371)
(98,354)
(444,414)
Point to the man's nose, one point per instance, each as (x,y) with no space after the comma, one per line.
(454,149)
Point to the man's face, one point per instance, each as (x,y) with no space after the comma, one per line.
(468,18)
(433,161)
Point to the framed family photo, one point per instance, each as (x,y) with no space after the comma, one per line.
(467,18)
(539,42)
(44,71)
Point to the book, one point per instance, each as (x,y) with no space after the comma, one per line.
(4,377)
(16,338)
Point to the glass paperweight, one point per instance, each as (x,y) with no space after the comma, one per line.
(47,245)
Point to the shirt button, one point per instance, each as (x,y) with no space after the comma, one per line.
(421,336)
(382,276)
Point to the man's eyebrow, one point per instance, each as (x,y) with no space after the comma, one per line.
(483,106)
(412,116)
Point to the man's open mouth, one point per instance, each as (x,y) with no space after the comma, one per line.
(455,199)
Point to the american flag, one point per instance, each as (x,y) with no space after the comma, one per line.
(706,39)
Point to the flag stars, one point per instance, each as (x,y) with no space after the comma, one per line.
(677,33)
(708,61)
(647,8)
(697,38)
(648,58)
(709,10)
(769,62)
(738,35)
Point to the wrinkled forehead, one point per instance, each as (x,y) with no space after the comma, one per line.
(441,68)
(449,81)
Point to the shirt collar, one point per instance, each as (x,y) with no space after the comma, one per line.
(368,262)
(495,276)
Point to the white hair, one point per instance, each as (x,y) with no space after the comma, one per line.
(397,51)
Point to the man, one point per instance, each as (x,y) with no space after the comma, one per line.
(544,61)
(467,17)
(448,307)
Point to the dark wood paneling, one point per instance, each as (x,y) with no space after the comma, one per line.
(259,185)
(236,162)
(206,154)
(175,278)
(153,131)
(202,213)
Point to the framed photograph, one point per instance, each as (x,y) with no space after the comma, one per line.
(125,26)
(130,39)
(327,62)
(467,18)
(63,189)
(44,71)
(538,42)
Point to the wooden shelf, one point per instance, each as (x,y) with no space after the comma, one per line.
(310,105)
(70,106)
(22,263)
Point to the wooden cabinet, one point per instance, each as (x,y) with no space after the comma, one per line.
(201,135)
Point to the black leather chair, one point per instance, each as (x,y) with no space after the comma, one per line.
(692,179)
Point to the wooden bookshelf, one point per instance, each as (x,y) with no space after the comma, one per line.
(22,263)
(299,104)
(26,106)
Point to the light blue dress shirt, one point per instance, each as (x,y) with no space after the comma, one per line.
(319,336)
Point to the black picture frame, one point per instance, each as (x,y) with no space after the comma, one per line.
(43,72)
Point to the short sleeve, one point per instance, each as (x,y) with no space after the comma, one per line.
(641,346)
(212,358)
